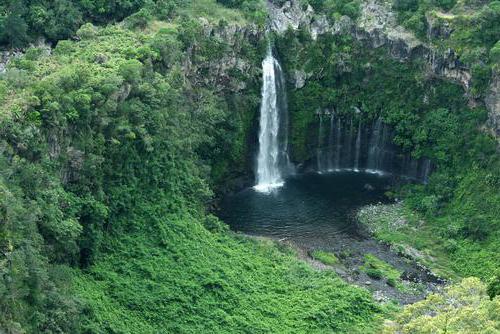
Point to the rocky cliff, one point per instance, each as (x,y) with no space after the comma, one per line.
(235,67)
(493,105)
(377,27)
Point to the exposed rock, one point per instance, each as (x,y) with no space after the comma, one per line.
(492,101)
(5,58)
(7,55)
(380,297)
(368,187)
(376,27)
(290,15)
(437,28)
(229,71)
(299,78)
(320,26)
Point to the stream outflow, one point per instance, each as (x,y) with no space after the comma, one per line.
(317,211)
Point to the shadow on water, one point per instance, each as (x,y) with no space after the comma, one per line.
(316,211)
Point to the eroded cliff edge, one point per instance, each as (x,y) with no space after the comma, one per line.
(377,27)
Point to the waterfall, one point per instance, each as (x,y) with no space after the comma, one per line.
(343,146)
(273,138)
(348,163)
(375,147)
(331,144)
(358,148)
(339,144)
(319,148)
(426,171)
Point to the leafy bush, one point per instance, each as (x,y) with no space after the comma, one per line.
(461,308)
(324,257)
(374,273)
(391,281)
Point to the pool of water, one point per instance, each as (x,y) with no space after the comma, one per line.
(311,209)
(317,211)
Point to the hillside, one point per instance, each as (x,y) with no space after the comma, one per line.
(124,123)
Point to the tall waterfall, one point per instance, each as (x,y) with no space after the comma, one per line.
(273,162)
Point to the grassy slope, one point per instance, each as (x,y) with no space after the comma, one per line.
(165,273)
(189,280)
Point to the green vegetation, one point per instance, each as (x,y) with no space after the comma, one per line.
(23,21)
(111,149)
(378,269)
(324,257)
(469,28)
(461,203)
(334,9)
(433,241)
(462,308)
(188,280)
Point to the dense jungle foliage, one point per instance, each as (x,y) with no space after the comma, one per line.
(113,144)
(109,149)
(431,118)
(25,21)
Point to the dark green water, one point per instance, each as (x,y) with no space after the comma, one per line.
(317,211)
(310,209)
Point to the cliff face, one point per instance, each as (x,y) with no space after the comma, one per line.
(235,67)
(492,101)
(377,27)
(5,58)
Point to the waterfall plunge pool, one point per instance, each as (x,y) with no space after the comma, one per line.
(317,211)
(310,209)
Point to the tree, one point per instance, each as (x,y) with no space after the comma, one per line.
(15,27)
(464,308)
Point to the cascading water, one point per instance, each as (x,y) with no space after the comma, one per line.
(331,142)
(339,144)
(358,148)
(367,148)
(319,154)
(272,161)
(375,144)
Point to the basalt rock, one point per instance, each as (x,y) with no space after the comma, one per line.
(6,57)
(492,101)
(231,70)
(377,27)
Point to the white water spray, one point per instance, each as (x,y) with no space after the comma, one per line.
(273,156)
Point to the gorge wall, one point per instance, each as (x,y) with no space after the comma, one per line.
(346,144)
(377,28)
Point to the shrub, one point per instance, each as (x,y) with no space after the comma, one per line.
(461,308)
(493,288)
(324,257)
(374,273)
(391,281)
